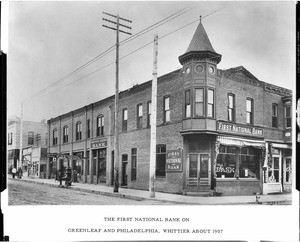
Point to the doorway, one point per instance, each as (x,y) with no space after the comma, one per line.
(199,170)
(124,169)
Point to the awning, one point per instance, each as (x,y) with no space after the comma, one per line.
(282,146)
(240,142)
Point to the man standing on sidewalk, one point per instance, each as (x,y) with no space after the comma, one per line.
(14,171)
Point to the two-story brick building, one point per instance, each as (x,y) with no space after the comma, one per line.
(34,138)
(221,130)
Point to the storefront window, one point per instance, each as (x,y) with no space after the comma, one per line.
(273,170)
(234,162)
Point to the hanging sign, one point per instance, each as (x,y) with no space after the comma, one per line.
(174,160)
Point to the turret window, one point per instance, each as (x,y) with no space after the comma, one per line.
(210,103)
(199,102)
(187,104)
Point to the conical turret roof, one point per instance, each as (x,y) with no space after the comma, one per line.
(200,47)
(200,41)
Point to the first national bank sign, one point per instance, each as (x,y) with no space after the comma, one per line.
(239,129)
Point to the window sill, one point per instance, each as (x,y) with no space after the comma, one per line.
(234,179)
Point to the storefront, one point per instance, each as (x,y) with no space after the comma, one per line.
(77,166)
(98,165)
(278,168)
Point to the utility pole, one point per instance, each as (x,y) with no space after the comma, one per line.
(21,139)
(116,140)
(153,121)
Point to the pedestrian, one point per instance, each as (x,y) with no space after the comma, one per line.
(20,172)
(75,176)
(60,177)
(14,171)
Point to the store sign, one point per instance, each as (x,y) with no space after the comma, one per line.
(239,129)
(99,144)
(174,160)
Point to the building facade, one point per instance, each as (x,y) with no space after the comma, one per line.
(34,142)
(217,130)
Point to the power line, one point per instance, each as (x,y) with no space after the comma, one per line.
(144,31)
(136,50)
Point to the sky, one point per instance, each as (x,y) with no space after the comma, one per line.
(49,40)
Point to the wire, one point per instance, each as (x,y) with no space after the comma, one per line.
(144,31)
(103,67)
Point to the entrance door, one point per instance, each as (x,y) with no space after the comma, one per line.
(124,170)
(199,170)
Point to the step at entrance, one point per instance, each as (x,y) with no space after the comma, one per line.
(208,193)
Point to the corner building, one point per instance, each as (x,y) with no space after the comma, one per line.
(217,130)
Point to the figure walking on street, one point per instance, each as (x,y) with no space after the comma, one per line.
(20,172)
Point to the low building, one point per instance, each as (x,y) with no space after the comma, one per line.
(217,130)
(34,140)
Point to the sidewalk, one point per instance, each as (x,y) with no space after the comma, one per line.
(166,197)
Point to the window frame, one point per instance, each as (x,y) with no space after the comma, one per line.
(187,103)
(250,112)
(88,128)
(287,119)
(274,116)
(159,148)
(65,134)
(100,125)
(212,104)
(139,116)
(10,139)
(232,118)
(133,164)
(149,109)
(55,137)
(124,121)
(78,130)
(165,111)
(201,102)
(30,140)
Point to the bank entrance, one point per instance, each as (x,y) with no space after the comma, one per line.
(199,170)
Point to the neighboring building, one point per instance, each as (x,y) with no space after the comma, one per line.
(217,130)
(34,142)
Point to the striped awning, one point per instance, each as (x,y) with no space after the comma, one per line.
(232,141)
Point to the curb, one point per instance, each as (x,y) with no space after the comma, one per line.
(137,198)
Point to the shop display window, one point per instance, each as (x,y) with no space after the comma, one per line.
(234,162)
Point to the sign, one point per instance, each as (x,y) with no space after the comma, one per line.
(99,144)
(174,160)
(239,129)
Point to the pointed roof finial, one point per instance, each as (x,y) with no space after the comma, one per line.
(200,18)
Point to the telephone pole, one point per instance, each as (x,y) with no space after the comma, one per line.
(153,120)
(116,28)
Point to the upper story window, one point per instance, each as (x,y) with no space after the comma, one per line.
(199,102)
(210,103)
(287,117)
(65,134)
(249,111)
(30,138)
(139,121)
(88,128)
(100,125)
(231,107)
(274,115)
(160,161)
(55,137)
(149,113)
(187,105)
(10,138)
(167,111)
(124,119)
(78,131)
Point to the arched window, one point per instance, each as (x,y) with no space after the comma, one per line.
(78,131)
(100,125)
(55,135)
(65,134)
(30,138)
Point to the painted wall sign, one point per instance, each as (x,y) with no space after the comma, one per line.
(174,160)
(239,129)
(99,144)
